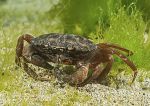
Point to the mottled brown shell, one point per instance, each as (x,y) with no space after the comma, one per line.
(68,45)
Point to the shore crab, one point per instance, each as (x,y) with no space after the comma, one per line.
(69,49)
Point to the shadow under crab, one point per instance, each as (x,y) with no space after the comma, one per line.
(69,49)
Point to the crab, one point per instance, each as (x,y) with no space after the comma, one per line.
(70,49)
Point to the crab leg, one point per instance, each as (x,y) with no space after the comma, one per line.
(128,62)
(32,73)
(105,71)
(116,47)
(39,61)
(19,47)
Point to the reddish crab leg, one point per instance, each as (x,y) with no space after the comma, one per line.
(108,48)
(128,62)
(105,71)
(116,47)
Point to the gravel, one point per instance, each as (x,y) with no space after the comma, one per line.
(29,92)
(121,97)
